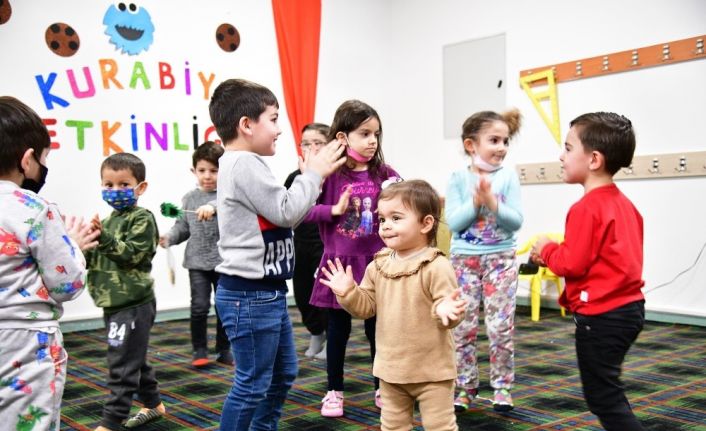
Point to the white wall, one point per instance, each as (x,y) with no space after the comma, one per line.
(666,105)
(389,54)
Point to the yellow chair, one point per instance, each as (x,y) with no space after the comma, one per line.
(543,274)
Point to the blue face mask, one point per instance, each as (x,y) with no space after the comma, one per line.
(120,199)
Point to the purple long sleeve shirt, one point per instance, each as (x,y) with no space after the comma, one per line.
(353,236)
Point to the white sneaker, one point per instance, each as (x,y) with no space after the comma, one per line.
(321,356)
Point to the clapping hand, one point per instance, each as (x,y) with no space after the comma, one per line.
(83,234)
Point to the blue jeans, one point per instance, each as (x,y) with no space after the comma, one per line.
(260,334)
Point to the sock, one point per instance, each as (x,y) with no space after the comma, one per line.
(316,343)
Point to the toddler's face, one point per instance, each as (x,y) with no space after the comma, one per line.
(206,174)
(400,227)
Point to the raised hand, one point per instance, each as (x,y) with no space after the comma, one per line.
(326,161)
(342,204)
(451,308)
(338,280)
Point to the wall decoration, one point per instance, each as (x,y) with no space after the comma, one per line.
(62,39)
(5,11)
(130,27)
(623,61)
(537,97)
(227,37)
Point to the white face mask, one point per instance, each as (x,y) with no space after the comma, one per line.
(481,164)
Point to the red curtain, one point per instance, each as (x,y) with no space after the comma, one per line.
(298,24)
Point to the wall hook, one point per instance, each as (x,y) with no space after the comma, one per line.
(655,166)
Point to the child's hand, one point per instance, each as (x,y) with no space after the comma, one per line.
(205,212)
(163,241)
(326,161)
(536,252)
(341,282)
(451,308)
(342,204)
(96,223)
(485,194)
(82,233)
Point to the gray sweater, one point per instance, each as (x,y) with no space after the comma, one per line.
(255,214)
(201,248)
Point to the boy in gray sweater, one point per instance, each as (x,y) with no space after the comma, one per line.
(201,253)
(255,217)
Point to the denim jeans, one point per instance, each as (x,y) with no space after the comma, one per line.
(601,344)
(260,333)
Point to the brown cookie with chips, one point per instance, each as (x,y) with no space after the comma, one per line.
(5,11)
(227,37)
(62,39)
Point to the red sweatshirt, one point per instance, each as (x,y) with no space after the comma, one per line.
(601,256)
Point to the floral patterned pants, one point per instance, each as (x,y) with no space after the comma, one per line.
(491,278)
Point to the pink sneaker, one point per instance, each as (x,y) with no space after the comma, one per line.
(332,405)
(378,399)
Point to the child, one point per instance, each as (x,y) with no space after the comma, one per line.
(255,216)
(201,254)
(308,249)
(412,289)
(358,126)
(40,268)
(601,260)
(483,212)
(119,282)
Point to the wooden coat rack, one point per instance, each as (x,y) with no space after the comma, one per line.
(624,61)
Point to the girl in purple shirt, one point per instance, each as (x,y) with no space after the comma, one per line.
(338,212)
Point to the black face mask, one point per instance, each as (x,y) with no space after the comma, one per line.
(34,185)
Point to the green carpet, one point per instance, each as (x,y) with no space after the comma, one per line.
(665,376)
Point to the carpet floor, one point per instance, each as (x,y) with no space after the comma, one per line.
(664,374)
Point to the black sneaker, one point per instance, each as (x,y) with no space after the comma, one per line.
(225,357)
(200,358)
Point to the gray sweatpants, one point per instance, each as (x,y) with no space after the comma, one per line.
(32,377)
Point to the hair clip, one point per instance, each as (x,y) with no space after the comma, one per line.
(390,181)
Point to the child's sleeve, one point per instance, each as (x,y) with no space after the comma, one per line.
(59,260)
(180,231)
(459,210)
(360,301)
(271,200)
(139,243)
(510,210)
(573,257)
(441,282)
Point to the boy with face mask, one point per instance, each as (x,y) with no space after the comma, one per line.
(119,281)
(41,266)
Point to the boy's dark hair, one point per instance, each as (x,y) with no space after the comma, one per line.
(234,99)
(348,117)
(318,127)
(608,133)
(125,161)
(208,151)
(420,197)
(20,129)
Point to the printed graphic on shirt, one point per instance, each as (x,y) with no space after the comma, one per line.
(485,230)
(9,243)
(358,220)
(278,261)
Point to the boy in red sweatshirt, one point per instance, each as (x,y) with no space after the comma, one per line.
(601,260)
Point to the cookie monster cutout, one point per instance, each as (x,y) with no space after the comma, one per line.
(130,27)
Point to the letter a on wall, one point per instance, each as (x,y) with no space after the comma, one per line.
(549,93)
